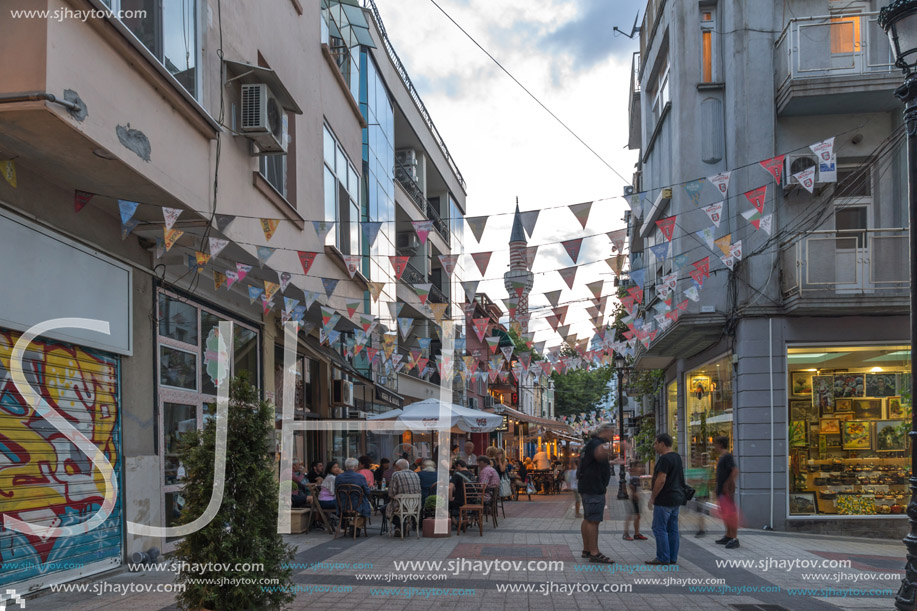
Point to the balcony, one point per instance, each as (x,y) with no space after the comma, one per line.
(833,65)
(403,176)
(832,272)
(633,105)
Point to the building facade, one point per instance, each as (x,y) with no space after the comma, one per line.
(796,311)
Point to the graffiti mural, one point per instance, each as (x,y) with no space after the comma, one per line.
(44,478)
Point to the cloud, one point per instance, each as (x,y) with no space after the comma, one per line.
(589,38)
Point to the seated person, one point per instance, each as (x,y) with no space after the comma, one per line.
(316,473)
(365,470)
(379,473)
(404,481)
(298,498)
(350,476)
(487,475)
(457,489)
(427,478)
(326,492)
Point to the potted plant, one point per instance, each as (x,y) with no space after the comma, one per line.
(433,502)
(244,531)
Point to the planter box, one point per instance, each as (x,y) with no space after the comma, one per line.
(429,526)
(299,520)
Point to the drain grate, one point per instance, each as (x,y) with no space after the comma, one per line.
(759,608)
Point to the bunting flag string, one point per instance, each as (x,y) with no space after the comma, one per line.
(423,229)
(481,259)
(569,275)
(528,219)
(581,212)
(399,264)
(477,224)
(573,248)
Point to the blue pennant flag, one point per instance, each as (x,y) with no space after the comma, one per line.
(661,251)
(329,284)
(638,276)
(127,210)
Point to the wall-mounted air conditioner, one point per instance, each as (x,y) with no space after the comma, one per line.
(796,163)
(407,240)
(263,119)
(342,393)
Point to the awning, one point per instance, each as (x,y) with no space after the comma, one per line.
(547,423)
(248,73)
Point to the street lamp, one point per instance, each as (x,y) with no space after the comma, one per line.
(622,369)
(899,20)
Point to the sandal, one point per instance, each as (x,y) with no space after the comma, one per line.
(639,537)
(627,538)
(586,554)
(601,558)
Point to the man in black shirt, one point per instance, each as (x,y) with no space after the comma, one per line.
(457,489)
(726,474)
(667,498)
(592,482)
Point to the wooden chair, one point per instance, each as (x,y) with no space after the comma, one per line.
(524,489)
(317,513)
(491,505)
(350,499)
(473,507)
(408,507)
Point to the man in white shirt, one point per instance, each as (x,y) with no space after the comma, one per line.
(468,455)
(541,460)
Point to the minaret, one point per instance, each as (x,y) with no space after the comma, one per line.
(518,277)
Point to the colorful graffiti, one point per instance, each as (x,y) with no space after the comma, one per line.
(44,478)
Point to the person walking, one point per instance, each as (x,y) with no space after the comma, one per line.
(667,498)
(726,474)
(572,481)
(593,476)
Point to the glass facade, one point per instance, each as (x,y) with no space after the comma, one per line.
(342,196)
(708,414)
(848,415)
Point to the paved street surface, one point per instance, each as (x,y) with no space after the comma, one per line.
(341,574)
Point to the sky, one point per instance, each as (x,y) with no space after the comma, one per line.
(506,146)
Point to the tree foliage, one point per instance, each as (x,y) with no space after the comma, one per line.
(580,390)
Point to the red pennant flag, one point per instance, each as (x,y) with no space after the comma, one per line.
(774,167)
(80,199)
(703,266)
(667,227)
(637,293)
(698,277)
(757,197)
(306,258)
(628,303)
(683,305)
(481,259)
(553,321)
(568,274)
(561,313)
(399,264)
(573,247)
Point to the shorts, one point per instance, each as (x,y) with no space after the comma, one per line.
(593,507)
(634,505)
(578,497)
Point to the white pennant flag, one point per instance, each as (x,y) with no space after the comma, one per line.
(736,250)
(715,212)
(806,178)
(767,223)
(729,261)
(170,215)
(692,294)
(721,182)
(708,235)
(216,246)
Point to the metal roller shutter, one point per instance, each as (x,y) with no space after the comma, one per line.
(44,478)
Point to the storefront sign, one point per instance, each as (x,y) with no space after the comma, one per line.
(504,426)
(386,396)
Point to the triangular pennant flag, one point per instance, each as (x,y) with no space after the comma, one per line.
(617,264)
(715,212)
(423,291)
(568,274)
(216,246)
(266,305)
(321,229)
(80,199)
(329,284)
(660,251)
(370,231)
(581,212)
(774,166)
(200,260)
(729,261)
(561,313)
(681,260)
(636,293)
(289,304)
(736,250)
(511,304)
(353,263)
(171,237)
(253,293)
(306,259)
(310,297)
(423,229)
(721,182)
(481,259)
(492,343)
(223,221)
(530,253)
(563,330)
(596,287)
(553,321)
(129,226)
(243,269)
(553,297)
(404,326)
(264,253)
(127,210)
(219,279)
(753,217)
(170,215)
(375,289)
(398,264)
(702,267)
(529,219)
(327,316)
(693,189)
(394,308)
(573,247)
(448,263)
(507,352)
(708,235)
(8,169)
(692,293)
(806,178)
(667,227)
(477,224)
(285,278)
(231,278)
(270,289)
(723,243)
(766,223)
(439,310)
(824,150)
(638,276)
(480,327)
(269,226)
(757,197)
(471,288)
(617,238)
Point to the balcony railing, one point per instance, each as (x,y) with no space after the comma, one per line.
(844,263)
(829,45)
(412,275)
(403,175)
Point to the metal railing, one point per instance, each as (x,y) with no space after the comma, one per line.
(412,275)
(438,223)
(437,295)
(371,5)
(403,176)
(829,45)
(846,262)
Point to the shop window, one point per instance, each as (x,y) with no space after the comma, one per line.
(848,415)
(672,410)
(708,414)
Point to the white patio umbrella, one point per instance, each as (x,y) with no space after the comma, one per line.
(425,416)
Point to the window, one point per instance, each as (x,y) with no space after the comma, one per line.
(845,34)
(274,170)
(659,92)
(342,196)
(169,30)
(707,27)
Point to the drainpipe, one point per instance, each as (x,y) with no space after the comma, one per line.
(38,96)
(770,364)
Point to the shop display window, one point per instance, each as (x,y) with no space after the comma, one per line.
(708,414)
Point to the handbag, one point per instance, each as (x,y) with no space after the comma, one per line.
(506,489)
(689,494)
(529,488)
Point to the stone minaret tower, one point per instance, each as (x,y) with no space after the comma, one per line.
(518,270)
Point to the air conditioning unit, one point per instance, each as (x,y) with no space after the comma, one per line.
(263,119)
(796,163)
(342,393)
(407,158)
(407,240)
(488,402)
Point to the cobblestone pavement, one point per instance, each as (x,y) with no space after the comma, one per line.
(343,574)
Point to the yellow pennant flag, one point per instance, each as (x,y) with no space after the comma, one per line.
(270,289)
(439,309)
(269,226)
(724,243)
(375,289)
(8,169)
(171,237)
(202,259)
(218,280)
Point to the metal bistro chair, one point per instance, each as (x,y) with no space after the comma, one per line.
(473,507)
(350,499)
(408,507)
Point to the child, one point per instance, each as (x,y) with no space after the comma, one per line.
(570,477)
(633,487)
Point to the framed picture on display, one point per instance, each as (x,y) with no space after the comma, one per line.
(904,389)
(800,410)
(843,405)
(891,436)
(867,409)
(802,502)
(881,384)
(798,433)
(822,393)
(849,385)
(856,435)
(822,444)
(830,426)
(895,409)
(844,416)
(801,383)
